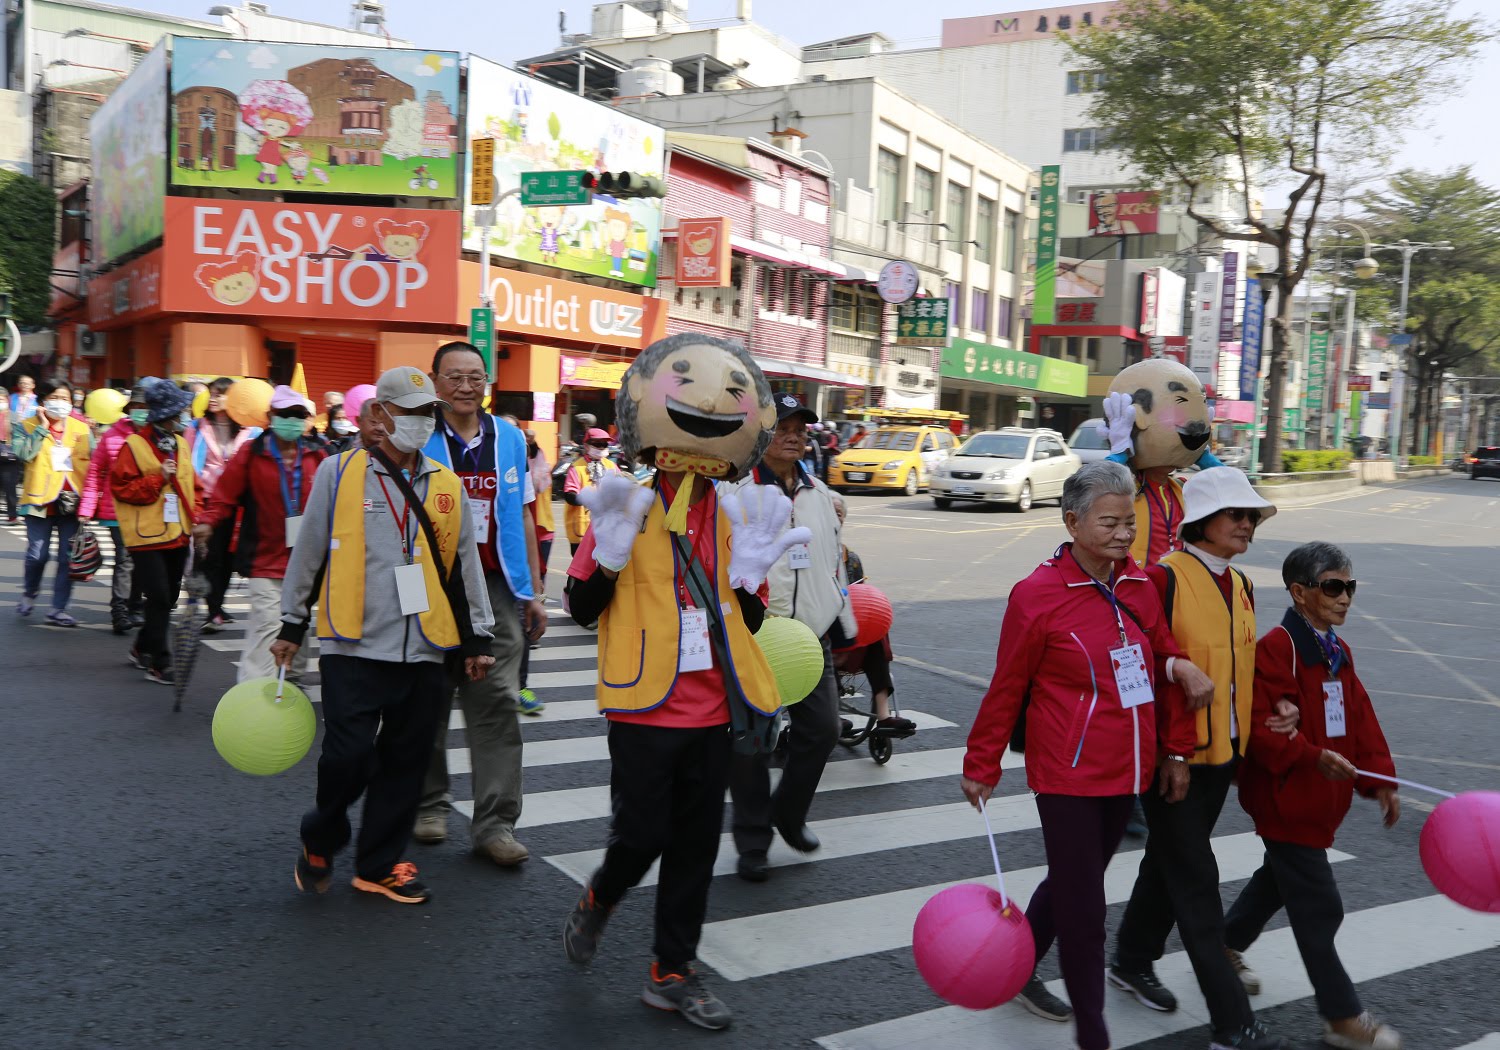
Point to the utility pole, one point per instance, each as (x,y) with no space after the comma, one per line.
(1398,384)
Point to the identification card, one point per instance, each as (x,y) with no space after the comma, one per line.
(62,459)
(293,528)
(411,589)
(694,653)
(1333,709)
(169,512)
(801,556)
(483,510)
(1131,678)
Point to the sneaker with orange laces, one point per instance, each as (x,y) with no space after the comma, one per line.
(312,872)
(585,927)
(685,993)
(400,885)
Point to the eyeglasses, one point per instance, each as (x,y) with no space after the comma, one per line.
(460,381)
(1333,588)
(598,444)
(1239,514)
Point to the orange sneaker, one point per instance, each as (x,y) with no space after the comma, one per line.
(400,885)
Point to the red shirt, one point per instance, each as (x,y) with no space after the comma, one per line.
(698,698)
(142,484)
(253,480)
(1166,516)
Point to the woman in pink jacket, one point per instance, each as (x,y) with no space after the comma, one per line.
(98,504)
(214,440)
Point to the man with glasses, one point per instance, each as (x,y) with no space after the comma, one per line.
(489,455)
(586,471)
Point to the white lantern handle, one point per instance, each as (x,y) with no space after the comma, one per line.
(280,683)
(994,854)
(1406,783)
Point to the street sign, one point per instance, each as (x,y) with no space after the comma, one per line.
(898,281)
(482,171)
(922,322)
(482,335)
(552,189)
(1359,382)
(1401,339)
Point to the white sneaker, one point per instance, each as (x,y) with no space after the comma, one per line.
(1370,1035)
(1248,977)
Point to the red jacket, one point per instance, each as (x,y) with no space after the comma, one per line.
(252,480)
(1055,644)
(98,501)
(141,485)
(1280,786)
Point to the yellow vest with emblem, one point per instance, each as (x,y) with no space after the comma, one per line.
(1219,637)
(576,518)
(43,483)
(640,630)
(341,606)
(148,526)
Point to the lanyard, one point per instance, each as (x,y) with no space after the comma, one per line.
(403,522)
(1164,502)
(1333,652)
(291,496)
(466,452)
(1114,602)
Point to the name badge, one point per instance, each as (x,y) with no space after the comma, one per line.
(483,510)
(411,589)
(694,652)
(62,459)
(1333,709)
(801,556)
(293,528)
(169,513)
(1131,678)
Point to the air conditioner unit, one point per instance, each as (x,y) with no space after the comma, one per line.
(90,343)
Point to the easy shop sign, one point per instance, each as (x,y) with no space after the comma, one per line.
(308,260)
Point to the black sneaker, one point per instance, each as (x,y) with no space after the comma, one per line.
(685,993)
(584,928)
(400,885)
(120,626)
(312,872)
(1251,1037)
(160,675)
(1037,1000)
(1147,990)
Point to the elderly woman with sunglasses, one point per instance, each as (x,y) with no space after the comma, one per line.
(1298,788)
(1085,638)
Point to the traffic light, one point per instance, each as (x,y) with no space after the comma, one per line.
(624,184)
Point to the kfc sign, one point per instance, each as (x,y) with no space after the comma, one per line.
(702,253)
(310,260)
(1123,214)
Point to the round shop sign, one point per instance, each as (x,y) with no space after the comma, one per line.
(898,281)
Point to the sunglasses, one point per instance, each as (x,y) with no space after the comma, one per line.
(598,444)
(1333,588)
(1239,514)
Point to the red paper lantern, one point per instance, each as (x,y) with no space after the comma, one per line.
(972,950)
(1460,849)
(872,613)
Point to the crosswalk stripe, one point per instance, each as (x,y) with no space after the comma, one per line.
(543,753)
(1373,943)
(773,942)
(1489,1042)
(855,836)
(564,652)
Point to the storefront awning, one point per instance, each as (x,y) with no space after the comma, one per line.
(775,253)
(812,373)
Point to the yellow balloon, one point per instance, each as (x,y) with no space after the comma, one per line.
(104,406)
(486,401)
(200,404)
(248,403)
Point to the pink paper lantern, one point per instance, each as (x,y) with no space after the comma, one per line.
(872,613)
(1461,849)
(970,950)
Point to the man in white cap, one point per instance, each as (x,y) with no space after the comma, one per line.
(266,484)
(387,551)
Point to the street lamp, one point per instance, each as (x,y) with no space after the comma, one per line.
(221,11)
(85,65)
(1364,269)
(1397,410)
(140,45)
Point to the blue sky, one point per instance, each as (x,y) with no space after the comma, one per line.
(1457,132)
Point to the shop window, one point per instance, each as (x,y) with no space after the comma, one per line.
(955,304)
(1010,247)
(888,185)
(984,230)
(979,319)
(1075,348)
(1004,316)
(957,217)
(843,309)
(1091,350)
(924,191)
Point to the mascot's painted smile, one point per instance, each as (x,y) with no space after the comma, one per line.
(1193,436)
(703,424)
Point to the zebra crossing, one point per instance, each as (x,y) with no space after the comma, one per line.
(894,835)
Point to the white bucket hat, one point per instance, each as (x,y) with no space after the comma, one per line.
(1220,488)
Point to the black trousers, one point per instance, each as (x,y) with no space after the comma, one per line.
(10,476)
(666,789)
(158,574)
(379,720)
(1300,879)
(814,733)
(1179,884)
(220,565)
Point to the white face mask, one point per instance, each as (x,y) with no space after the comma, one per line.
(57,408)
(410,433)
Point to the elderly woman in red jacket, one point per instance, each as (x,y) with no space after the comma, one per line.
(1298,788)
(1085,638)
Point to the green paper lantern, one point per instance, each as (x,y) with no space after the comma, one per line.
(255,733)
(795,656)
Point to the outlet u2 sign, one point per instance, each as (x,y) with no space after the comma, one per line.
(310,260)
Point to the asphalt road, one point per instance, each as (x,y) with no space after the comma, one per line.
(151,901)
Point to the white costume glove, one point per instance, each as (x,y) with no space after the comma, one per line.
(617,508)
(758,515)
(1119,422)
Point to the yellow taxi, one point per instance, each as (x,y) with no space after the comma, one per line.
(892,456)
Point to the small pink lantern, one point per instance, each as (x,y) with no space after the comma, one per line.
(1460,849)
(973,948)
(872,613)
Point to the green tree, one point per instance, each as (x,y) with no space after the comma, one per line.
(1247,94)
(28,228)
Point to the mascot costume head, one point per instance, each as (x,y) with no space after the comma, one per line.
(1172,415)
(695,404)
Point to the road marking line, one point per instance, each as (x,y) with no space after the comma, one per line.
(775,942)
(1429,930)
(1440,664)
(1448,762)
(946,672)
(1489,1042)
(564,652)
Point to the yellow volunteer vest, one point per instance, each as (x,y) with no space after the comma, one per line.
(576,519)
(148,526)
(1220,638)
(542,508)
(42,484)
(1145,507)
(640,630)
(341,608)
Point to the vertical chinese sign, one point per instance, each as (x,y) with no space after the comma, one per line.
(1317,378)
(1043,302)
(1255,309)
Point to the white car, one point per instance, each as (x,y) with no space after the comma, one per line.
(1011,466)
(1089,442)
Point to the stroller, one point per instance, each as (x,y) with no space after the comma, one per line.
(856,699)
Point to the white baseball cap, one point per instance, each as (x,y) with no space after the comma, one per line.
(1221,488)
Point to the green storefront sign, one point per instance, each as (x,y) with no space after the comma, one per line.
(1317,374)
(922,322)
(1043,303)
(983,363)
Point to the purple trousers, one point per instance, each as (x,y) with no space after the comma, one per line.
(1081,834)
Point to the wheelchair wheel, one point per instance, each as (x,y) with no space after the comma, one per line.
(881,748)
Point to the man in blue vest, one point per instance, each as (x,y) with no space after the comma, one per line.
(489,455)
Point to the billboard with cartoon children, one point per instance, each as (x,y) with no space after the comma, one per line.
(129,147)
(539,127)
(308,117)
